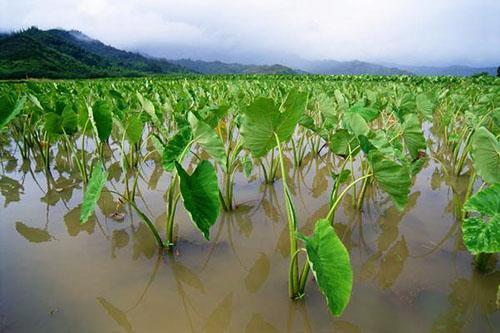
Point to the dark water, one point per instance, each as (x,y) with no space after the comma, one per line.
(411,270)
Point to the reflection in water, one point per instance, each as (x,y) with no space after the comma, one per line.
(118,315)
(258,325)
(219,319)
(209,284)
(119,240)
(258,274)
(73,225)
(387,262)
(11,189)
(466,297)
(33,235)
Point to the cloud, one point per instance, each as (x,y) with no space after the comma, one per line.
(400,31)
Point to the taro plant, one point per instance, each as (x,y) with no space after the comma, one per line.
(266,125)
(481,225)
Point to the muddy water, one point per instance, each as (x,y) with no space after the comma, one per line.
(412,272)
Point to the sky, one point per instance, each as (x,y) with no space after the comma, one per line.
(411,32)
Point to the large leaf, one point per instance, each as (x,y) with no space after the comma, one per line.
(263,118)
(425,106)
(102,119)
(486,155)
(330,264)
(93,192)
(356,124)
(200,193)
(134,129)
(8,110)
(393,178)
(368,113)
(412,134)
(482,236)
(341,141)
(175,148)
(208,139)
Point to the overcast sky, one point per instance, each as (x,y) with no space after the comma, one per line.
(419,32)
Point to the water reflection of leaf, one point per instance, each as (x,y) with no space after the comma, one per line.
(244,222)
(219,319)
(345,327)
(144,242)
(258,274)
(155,176)
(389,222)
(119,239)
(11,189)
(73,225)
(118,315)
(392,264)
(258,325)
(11,165)
(320,182)
(466,295)
(187,276)
(33,235)
(270,210)
(114,171)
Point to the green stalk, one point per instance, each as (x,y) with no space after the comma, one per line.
(331,212)
(293,282)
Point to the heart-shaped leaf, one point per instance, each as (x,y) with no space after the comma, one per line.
(200,193)
(262,118)
(93,192)
(330,264)
(482,236)
(486,155)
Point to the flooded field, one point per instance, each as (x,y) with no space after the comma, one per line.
(250,204)
(411,270)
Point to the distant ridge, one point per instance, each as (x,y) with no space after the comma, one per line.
(35,53)
(218,67)
(355,67)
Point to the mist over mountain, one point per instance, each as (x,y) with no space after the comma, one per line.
(58,53)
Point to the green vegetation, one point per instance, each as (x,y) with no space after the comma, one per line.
(202,131)
(35,53)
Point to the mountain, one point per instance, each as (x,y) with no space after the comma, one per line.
(218,67)
(71,54)
(355,67)
(449,70)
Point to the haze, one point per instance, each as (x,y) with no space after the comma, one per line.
(437,32)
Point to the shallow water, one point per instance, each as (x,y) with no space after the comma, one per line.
(411,270)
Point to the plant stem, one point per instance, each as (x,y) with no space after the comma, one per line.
(292,228)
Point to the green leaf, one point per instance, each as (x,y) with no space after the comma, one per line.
(93,192)
(367,113)
(8,110)
(262,119)
(356,124)
(134,129)
(247,165)
(425,106)
(486,155)
(175,149)
(200,193)
(340,142)
(52,124)
(413,136)
(330,264)
(208,139)
(482,236)
(102,119)
(392,177)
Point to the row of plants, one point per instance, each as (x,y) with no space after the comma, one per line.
(375,131)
